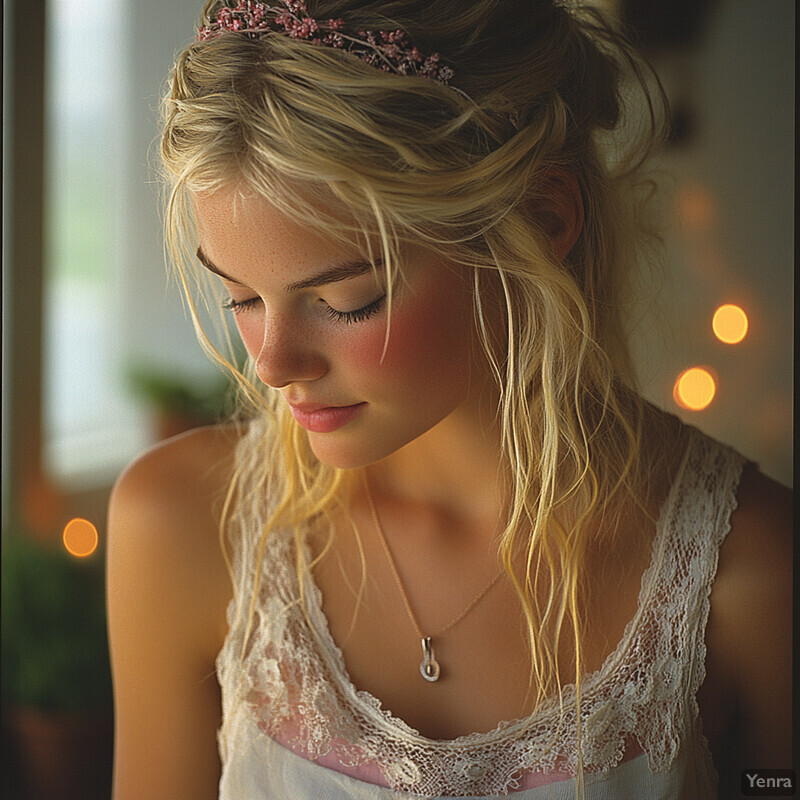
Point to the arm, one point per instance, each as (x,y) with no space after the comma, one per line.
(749,637)
(167,591)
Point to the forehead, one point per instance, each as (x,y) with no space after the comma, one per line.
(245,234)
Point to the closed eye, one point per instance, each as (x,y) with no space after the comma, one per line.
(357,315)
(237,306)
(348,317)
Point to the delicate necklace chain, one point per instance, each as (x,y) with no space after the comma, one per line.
(429,667)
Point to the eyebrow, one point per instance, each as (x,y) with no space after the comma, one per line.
(334,274)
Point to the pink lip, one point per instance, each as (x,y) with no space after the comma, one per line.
(324,419)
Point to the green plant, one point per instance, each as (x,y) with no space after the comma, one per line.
(172,394)
(54,641)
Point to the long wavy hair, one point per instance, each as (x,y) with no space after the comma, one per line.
(538,89)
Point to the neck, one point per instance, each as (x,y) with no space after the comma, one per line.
(455,467)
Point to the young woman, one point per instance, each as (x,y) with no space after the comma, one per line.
(445,549)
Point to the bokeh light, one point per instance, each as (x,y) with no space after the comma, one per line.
(694,389)
(730,324)
(697,207)
(80,537)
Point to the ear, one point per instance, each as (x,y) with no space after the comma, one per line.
(560,210)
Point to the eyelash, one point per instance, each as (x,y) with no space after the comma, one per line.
(237,306)
(348,317)
(358,315)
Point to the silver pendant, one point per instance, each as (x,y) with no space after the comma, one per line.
(429,668)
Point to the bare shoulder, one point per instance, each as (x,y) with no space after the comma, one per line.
(182,467)
(755,563)
(168,589)
(749,636)
(165,510)
(183,477)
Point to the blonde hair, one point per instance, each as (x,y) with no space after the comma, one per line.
(463,171)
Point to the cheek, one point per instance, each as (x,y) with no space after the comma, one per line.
(430,338)
(251,332)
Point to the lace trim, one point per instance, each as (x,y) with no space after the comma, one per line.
(294,675)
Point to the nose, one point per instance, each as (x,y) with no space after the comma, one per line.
(288,354)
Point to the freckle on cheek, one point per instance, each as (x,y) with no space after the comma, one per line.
(366,351)
(420,338)
(409,343)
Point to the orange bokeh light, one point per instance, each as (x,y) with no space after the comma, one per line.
(80,537)
(730,324)
(694,389)
(697,207)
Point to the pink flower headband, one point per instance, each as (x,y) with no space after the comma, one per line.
(387,50)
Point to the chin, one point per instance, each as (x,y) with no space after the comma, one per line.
(343,457)
(341,452)
(360,448)
(354,448)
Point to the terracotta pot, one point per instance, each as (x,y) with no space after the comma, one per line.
(63,755)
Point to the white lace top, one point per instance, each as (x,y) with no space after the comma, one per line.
(294,726)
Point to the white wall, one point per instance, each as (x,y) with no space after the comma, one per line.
(153,328)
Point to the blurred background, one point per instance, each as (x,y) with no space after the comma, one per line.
(99,360)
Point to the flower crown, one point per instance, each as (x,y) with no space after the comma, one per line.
(389,51)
